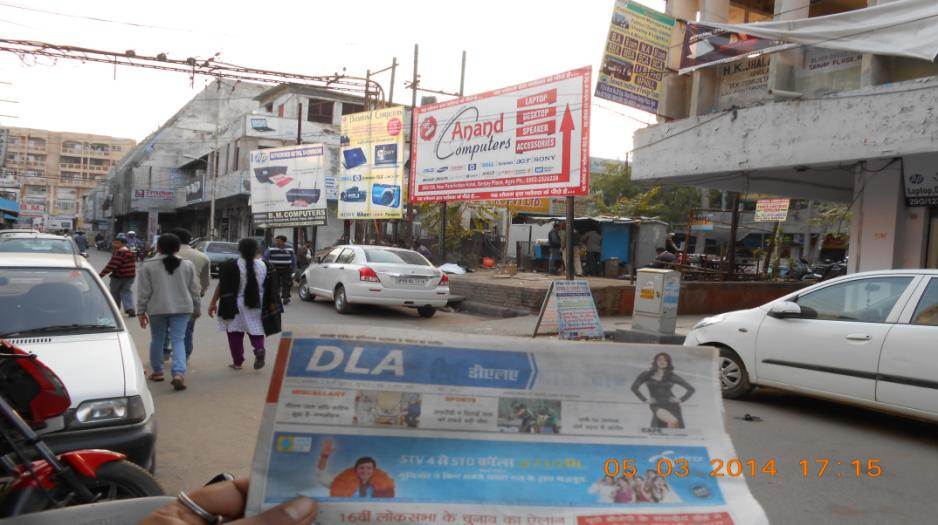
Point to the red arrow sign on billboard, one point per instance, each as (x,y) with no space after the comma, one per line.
(566,128)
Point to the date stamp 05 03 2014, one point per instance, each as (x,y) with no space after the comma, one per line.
(820,467)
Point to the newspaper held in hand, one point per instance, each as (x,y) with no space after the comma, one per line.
(386,426)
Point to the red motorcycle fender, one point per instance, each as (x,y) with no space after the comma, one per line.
(87,462)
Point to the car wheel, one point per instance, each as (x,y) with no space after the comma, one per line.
(734,379)
(426,311)
(341,301)
(304,292)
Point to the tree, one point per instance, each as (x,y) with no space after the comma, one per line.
(615,193)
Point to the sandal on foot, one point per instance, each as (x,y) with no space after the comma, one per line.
(178,383)
(234,367)
(157,377)
(259,362)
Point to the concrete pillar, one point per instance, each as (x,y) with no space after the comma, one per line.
(884,233)
(781,69)
(705,81)
(675,99)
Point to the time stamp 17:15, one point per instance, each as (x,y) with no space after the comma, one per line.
(735,468)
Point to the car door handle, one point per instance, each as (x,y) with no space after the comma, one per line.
(859,337)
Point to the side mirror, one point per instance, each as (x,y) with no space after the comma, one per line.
(791,310)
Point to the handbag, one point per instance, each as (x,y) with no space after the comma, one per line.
(272,322)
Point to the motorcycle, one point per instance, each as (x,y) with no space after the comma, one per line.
(32,477)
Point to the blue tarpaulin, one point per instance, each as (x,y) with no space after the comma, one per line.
(6,205)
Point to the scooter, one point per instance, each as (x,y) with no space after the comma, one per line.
(32,477)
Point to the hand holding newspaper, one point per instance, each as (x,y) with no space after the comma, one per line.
(385,426)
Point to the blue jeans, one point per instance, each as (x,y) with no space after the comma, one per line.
(189,327)
(176,323)
(555,256)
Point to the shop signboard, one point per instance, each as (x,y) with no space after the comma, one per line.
(921,180)
(371,177)
(701,223)
(195,190)
(706,46)
(525,141)
(287,186)
(154,195)
(635,57)
(475,429)
(569,309)
(772,210)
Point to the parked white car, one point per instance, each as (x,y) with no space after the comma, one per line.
(868,339)
(55,306)
(376,275)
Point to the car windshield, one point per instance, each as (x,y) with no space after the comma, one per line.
(376,255)
(52,300)
(33,245)
(223,247)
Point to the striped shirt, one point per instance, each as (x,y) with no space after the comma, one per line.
(280,257)
(123,264)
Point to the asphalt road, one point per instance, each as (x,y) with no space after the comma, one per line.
(211,428)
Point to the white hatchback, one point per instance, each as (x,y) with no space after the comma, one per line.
(868,339)
(376,275)
(55,306)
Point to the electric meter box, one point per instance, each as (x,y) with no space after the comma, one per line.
(657,292)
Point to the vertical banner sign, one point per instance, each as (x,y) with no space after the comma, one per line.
(519,142)
(287,186)
(772,210)
(633,64)
(153,224)
(372,173)
(569,309)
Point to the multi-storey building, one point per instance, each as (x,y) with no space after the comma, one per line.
(53,170)
(808,123)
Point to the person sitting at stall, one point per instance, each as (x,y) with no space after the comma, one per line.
(663,259)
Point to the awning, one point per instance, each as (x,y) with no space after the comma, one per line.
(901,28)
(10,217)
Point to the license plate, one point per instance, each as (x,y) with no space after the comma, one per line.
(412,281)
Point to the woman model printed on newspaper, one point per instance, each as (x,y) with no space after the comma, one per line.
(660,380)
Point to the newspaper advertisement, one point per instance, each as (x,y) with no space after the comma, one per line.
(396,426)
(287,186)
(372,174)
(633,64)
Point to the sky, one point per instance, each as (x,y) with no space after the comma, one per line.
(507,42)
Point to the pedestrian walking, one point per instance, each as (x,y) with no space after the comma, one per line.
(168,295)
(554,245)
(81,241)
(283,261)
(593,244)
(246,301)
(123,270)
(202,267)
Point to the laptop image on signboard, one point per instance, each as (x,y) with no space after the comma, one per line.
(260,124)
(353,158)
(385,154)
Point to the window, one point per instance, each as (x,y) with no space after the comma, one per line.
(332,256)
(348,108)
(395,257)
(280,110)
(237,153)
(926,313)
(223,247)
(116,147)
(348,255)
(68,175)
(53,300)
(320,111)
(269,107)
(864,300)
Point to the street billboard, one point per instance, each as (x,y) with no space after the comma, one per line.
(154,195)
(195,190)
(921,181)
(706,46)
(287,186)
(520,142)
(371,176)
(634,61)
(772,210)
